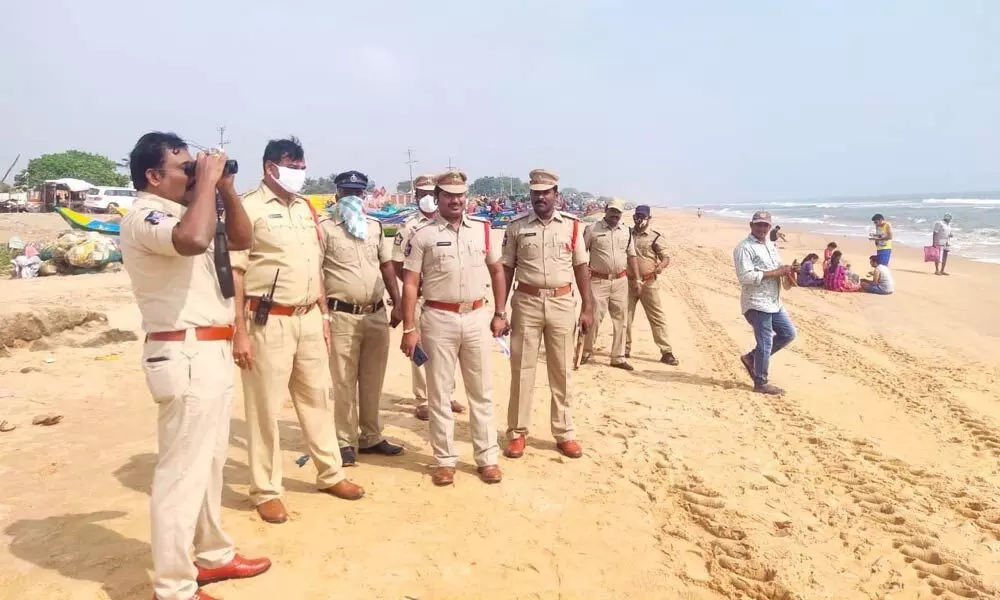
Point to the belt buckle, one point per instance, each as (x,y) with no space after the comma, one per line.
(546,292)
(366,309)
(299,311)
(464,307)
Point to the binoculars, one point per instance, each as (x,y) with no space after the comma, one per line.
(232,168)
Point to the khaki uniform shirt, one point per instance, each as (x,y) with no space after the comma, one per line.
(543,255)
(173,292)
(351,266)
(403,235)
(452,262)
(609,247)
(649,248)
(285,238)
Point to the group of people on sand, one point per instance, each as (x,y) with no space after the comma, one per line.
(837,275)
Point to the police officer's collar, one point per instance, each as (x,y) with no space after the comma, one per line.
(556,215)
(618,226)
(441,222)
(270,196)
(168,206)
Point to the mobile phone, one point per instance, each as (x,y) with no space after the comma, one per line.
(419,356)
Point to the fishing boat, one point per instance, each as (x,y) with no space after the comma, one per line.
(83,222)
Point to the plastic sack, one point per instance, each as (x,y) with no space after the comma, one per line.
(932,254)
(92,252)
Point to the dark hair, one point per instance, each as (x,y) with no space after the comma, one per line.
(810,256)
(279,149)
(873,258)
(832,245)
(877,217)
(835,259)
(148,154)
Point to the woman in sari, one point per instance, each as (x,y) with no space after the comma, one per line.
(806,276)
(835,278)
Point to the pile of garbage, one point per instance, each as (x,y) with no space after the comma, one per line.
(73,253)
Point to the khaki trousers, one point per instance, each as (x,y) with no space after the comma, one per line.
(417,373)
(652,305)
(610,296)
(192,384)
(448,338)
(289,357)
(358,357)
(533,320)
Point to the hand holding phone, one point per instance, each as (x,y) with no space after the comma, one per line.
(419,356)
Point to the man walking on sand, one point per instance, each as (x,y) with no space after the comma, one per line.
(644,285)
(423,190)
(759,270)
(543,252)
(612,257)
(942,241)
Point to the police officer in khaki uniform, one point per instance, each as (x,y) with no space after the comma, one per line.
(357,271)
(427,206)
(168,248)
(645,285)
(543,250)
(612,257)
(452,255)
(288,353)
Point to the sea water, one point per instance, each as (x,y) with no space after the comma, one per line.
(975,221)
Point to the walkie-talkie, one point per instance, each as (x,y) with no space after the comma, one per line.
(223,269)
(265,303)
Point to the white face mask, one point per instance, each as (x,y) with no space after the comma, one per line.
(428,204)
(291,179)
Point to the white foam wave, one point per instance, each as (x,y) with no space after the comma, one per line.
(963,201)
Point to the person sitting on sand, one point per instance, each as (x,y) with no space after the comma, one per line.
(777,236)
(881,281)
(830,249)
(836,279)
(806,276)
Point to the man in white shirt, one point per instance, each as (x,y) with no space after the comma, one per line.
(759,270)
(881,281)
(942,241)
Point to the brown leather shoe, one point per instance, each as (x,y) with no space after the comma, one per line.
(457,408)
(272,511)
(422,412)
(345,490)
(515,447)
(238,568)
(443,476)
(490,474)
(570,448)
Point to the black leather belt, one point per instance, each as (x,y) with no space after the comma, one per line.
(353,309)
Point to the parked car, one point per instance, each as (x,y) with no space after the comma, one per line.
(109,199)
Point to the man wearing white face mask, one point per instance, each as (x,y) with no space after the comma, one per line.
(423,189)
(282,337)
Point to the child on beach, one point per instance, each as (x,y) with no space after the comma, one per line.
(830,248)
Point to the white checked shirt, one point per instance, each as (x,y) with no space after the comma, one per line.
(752,258)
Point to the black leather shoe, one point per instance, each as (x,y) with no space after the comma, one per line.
(347,456)
(669,359)
(624,366)
(384,448)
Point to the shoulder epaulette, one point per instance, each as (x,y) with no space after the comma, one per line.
(520,216)
(478,218)
(569,215)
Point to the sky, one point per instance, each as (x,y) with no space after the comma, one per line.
(657,102)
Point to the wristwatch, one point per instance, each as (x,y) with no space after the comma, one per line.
(326,316)
(502,315)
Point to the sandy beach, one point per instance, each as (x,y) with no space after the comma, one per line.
(875,477)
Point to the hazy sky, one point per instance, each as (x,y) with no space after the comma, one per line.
(656,101)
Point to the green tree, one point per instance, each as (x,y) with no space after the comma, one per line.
(322,185)
(404,187)
(497,186)
(92,168)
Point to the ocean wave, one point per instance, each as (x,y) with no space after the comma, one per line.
(963,201)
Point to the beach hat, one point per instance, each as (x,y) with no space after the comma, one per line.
(616,204)
(642,210)
(540,180)
(761,216)
(424,182)
(453,182)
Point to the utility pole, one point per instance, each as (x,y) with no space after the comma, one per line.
(410,162)
(222,137)
(450,167)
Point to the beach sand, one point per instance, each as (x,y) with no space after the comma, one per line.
(876,476)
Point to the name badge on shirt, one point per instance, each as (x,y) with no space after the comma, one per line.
(275,216)
(444,243)
(532,234)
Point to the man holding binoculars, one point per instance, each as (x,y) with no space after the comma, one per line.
(167,243)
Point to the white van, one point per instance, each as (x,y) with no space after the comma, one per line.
(109,199)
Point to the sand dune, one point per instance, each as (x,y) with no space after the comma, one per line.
(876,476)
